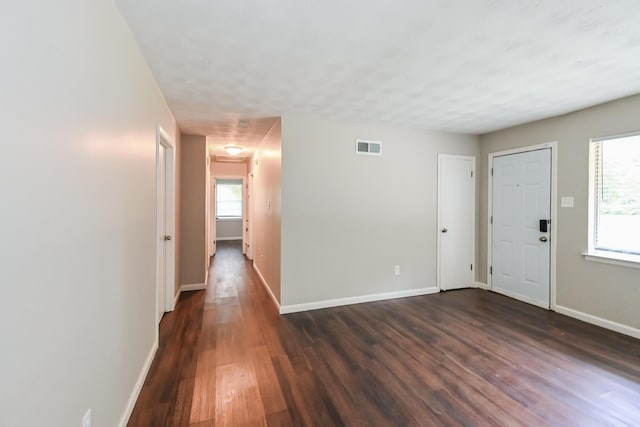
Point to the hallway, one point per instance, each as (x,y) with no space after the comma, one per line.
(465,357)
(213,361)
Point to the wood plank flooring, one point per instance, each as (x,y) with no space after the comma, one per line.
(467,357)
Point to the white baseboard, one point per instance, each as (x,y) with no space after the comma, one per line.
(177,297)
(482,286)
(599,321)
(228,238)
(138,386)
(193,287)
(266,286)
(196,286)
(356,300)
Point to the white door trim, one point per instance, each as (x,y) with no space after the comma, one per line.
(553,145)
(162,138)
(439,216)
(212,216)
(251,197)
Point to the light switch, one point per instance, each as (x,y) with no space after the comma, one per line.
(566,202)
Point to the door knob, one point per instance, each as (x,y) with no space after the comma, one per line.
(444,230)
(543,238)
(167,237)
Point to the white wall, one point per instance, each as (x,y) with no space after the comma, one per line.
(347,219)
(77,177)
(609,292)
(266,210)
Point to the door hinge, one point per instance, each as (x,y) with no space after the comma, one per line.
(471,174)
(491,220)
(471,267)
(491,270)
(491,171)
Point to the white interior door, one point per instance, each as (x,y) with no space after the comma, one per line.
(165,229)
(521,253)
(162,230)
(456,221)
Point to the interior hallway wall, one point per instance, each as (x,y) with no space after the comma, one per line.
(266,208)
(228,169)
(193,208)
(78,182)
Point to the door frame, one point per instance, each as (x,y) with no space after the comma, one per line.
(553,146)
(250,197)
(212,215)
(214,186)
(163,139)
(245,215)
(439,217)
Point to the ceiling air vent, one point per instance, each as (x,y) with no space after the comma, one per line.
(368,147)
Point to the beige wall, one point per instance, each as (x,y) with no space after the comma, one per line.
(347,219)
(193,210)
(228,170)
(606,291)
(78,185)
(266,210)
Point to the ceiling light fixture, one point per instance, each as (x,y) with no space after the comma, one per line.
(233,151)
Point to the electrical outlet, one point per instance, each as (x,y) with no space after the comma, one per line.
(86,420)
(396,270)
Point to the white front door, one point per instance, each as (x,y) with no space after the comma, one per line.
(521,213)
(456,221)
(162,230)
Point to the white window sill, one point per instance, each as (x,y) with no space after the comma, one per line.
(229,218)
(624,260)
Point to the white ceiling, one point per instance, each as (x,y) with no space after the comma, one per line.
(454,65)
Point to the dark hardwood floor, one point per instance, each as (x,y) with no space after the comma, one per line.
(467,357)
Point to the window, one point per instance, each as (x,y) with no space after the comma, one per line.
(614,225)
(228,198)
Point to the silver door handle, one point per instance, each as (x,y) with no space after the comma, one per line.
(167,238)
(543,238)
(444,230)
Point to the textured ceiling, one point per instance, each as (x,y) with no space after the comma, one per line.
(465,66)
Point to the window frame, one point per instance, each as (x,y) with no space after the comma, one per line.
(620,258)
(221,181)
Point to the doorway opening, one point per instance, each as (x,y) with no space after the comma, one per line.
(229,209)
(521,243)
